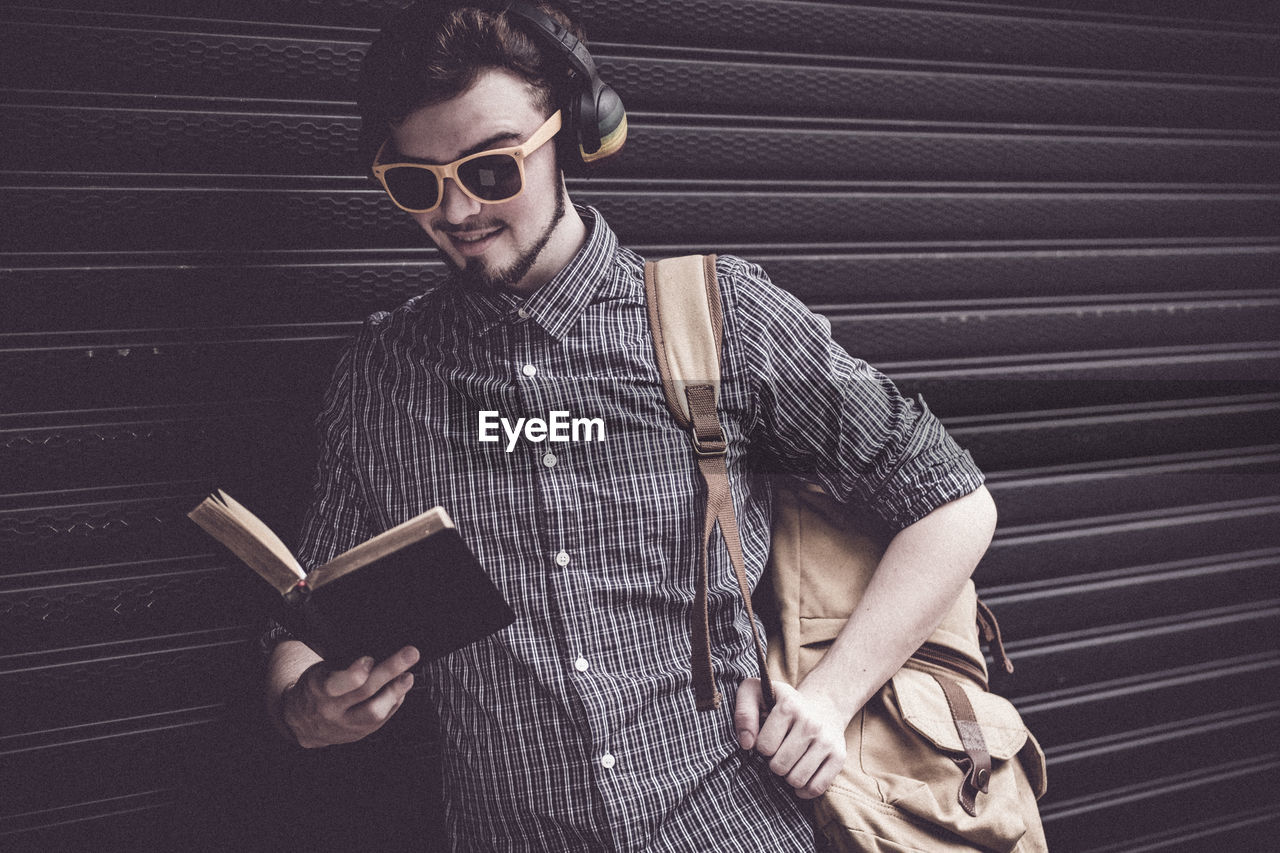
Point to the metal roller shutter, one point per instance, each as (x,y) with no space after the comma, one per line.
(1058,221)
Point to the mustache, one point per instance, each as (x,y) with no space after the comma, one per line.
(468,227)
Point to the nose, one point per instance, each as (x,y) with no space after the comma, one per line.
(455,205)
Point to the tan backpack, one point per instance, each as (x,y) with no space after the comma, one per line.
(930,758)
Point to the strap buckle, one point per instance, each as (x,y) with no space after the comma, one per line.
(712,445)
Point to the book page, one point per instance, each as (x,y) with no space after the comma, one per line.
(387,542)
(249,539)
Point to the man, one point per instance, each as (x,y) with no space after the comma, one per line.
(575,728)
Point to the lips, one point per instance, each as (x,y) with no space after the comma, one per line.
(472,243)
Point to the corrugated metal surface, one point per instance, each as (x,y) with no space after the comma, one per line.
(1060,224)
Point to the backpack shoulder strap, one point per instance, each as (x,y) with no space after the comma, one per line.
(683,297)
(685,316)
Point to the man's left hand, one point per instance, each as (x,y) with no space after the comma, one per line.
(803,736)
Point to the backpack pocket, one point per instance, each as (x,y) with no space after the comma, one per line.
(907,766)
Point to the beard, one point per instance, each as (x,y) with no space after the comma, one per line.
(476,274)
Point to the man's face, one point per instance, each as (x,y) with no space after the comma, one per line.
(514,243)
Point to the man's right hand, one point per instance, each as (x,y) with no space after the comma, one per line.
(326,707)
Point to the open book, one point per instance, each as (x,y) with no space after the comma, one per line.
(415,584)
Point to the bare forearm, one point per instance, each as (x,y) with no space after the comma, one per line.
(918,579)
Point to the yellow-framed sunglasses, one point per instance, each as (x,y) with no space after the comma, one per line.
(487,176)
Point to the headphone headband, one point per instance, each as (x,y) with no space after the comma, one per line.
(570,47)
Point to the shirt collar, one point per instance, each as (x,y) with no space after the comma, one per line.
(556,306)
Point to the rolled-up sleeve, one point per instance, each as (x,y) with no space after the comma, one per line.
(337,517)
(833,419)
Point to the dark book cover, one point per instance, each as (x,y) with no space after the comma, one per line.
(432,594)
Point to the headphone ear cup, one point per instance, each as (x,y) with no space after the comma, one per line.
(610,123)
(600,125)
(569,139)
(586,127)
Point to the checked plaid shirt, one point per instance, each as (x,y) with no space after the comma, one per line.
(575,729)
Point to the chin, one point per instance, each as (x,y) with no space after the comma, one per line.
(478,273)
(485,274)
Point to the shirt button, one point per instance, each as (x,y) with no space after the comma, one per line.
(562,559)
(607,761)
(529,370)
(581,665)
(549,460)
(522,313)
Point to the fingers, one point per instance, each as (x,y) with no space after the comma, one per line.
(342,681)
(804,745)
(778,723)
(386,671)
(378,709)
(362,679)
(803,769)
(822,780)
(787,756)
(746,712)
(808,761)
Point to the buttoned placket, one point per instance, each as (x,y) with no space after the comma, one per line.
(533,378)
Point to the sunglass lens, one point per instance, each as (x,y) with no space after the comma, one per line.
(492,178)
(416,189)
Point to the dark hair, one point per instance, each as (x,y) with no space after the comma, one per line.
(433,51)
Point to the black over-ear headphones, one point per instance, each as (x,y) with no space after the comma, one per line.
(595,124)
(594,115)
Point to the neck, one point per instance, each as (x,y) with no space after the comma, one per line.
(568,236)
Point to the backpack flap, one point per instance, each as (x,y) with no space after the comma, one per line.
(958,774)
(924,707)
